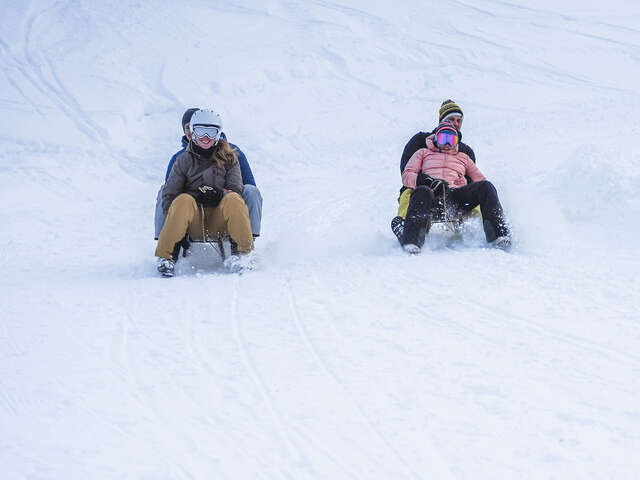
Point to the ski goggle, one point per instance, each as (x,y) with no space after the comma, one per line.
(447,137)
(201,131)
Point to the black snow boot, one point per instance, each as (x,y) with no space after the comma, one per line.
(397,227)
(166,267)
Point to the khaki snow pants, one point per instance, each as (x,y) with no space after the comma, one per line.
(231,216)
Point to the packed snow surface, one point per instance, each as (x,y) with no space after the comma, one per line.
(341,356)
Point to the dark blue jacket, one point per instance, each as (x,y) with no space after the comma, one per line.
(245,169)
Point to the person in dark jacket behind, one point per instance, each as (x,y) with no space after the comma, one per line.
(449,112)
(202,196)
(250,193)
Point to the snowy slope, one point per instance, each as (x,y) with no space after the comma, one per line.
(341,357)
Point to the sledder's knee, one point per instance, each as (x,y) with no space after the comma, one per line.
(421,193)
(251,194)
(487,186)
(183,199)
(486,190)
(231,198)
(233,202)
(182,202)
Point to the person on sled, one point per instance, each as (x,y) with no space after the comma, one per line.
(250,192)
(449,112)
(441,165)
(202,196)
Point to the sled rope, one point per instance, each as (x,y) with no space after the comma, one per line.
(444,205)
(204,236)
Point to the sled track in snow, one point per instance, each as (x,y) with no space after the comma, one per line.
(495,318)
(40,72)
(289,445)
(13,62)
(158,424)
(56,93)
(545,331)
(306,339)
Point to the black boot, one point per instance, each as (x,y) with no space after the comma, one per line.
(397,227)
(183,244)
(166,267)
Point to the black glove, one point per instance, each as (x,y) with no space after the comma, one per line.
(435,184)
(209,196)
(438,186)
(422,179)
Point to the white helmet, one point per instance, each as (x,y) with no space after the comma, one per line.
(206,118)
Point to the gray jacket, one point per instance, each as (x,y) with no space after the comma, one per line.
(191,171)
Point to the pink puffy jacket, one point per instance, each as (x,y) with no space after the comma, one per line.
(451,166)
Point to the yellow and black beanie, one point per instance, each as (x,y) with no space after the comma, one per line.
(447,109)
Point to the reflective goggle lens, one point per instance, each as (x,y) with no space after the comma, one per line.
(202,131)
(447,137)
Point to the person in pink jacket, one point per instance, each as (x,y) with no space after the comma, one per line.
(440,165)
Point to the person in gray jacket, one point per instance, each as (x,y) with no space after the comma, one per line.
(202,196)
(250,191)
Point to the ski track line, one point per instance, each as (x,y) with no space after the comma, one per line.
(7,401)
(48,90)
(307,340)
(194,344)
(5,51)
(559,336)
(532,326)
(194,347)
(205,360)
(157,424)
(289,444)
(619,28)
(72,104)
(351,13)
(20,67)
(60,95)
(166,92)
(310,440)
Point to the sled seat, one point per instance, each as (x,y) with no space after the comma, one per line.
(221,243)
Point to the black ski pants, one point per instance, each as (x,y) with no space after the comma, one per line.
(463,199)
